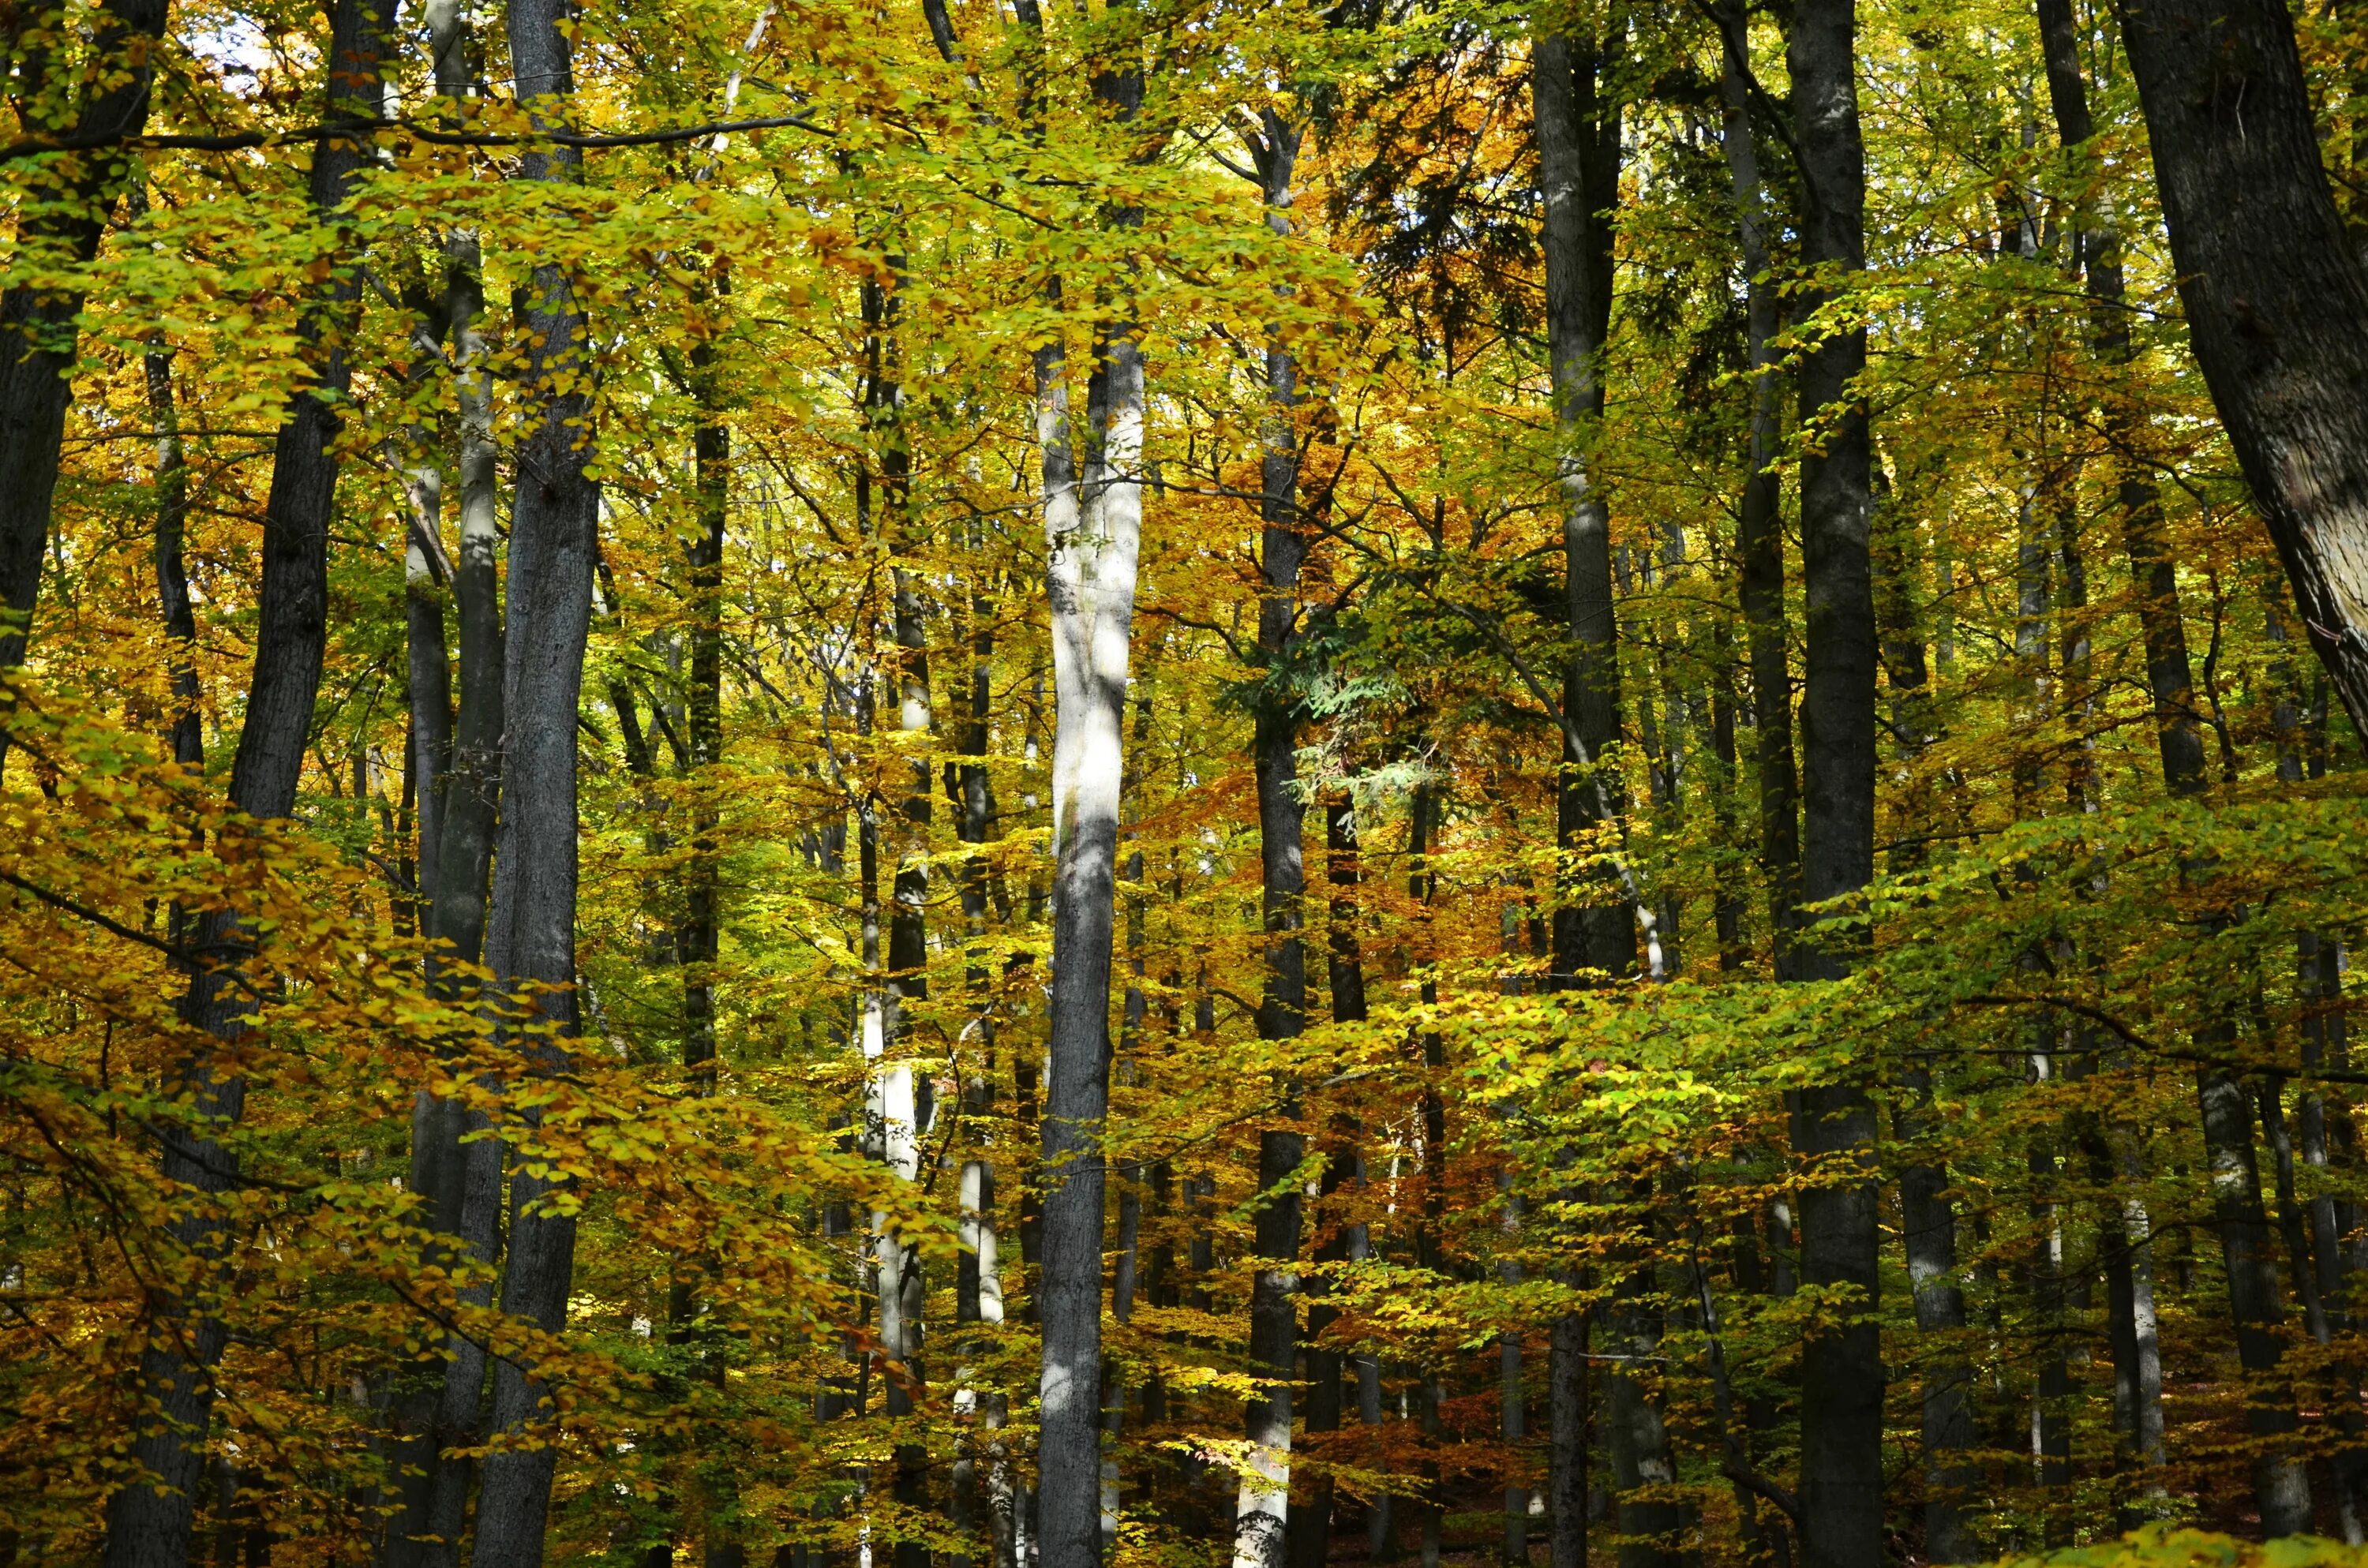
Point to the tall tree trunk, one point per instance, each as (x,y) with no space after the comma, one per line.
(2274,292)
(898,1109)
(978,1278)
(37,330)
(1263,1507)
(2129,1259)
(1578,172)
(463,1180)
(458,1185)
(1430,1245)
(1841,1363)
(2284,345)
(417,1397)
(1759,533)
(1928,1214)
(1344,870)
(531,937)
(149,1520)
(696,937)
(1092,531)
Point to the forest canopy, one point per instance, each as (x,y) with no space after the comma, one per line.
(1166,783)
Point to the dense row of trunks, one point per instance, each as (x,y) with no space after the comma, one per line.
(2278,307)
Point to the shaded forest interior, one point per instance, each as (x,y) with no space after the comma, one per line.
(1172,782)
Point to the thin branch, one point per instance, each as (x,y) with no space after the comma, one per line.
(434,136)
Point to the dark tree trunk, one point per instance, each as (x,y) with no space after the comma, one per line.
(38,334)
(1567,1356)
(978,1277)
(458,1185)
(2275,295)
(416,1398)
(2277,311)
(2128,1252)
(1759,533)
(1842,1365)
(695,938)
(1577,135)
(1579,176)
(1422,888)
(1264,1504)
(531,937)
(149,1521)
(462,1181)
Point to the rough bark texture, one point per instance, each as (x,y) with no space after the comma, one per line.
(2274,293)
(530,935)
(148,1522)
(1842,1364)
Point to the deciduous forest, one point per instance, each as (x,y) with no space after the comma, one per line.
(1154,783)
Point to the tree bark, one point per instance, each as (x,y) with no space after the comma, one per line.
(2274,293)
(1092,532)
(696,937)
(1579,176)
(530,935)
(37,331)
(1578,173)
(464,1179)
(2124,1229)
(412,1439)
(149,1521)
(462,774)
(1344,974)
(1841,1370)
(1263,1507)
(1760,534)
(978,1276)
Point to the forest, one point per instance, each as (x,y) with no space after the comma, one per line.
(1166,783)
